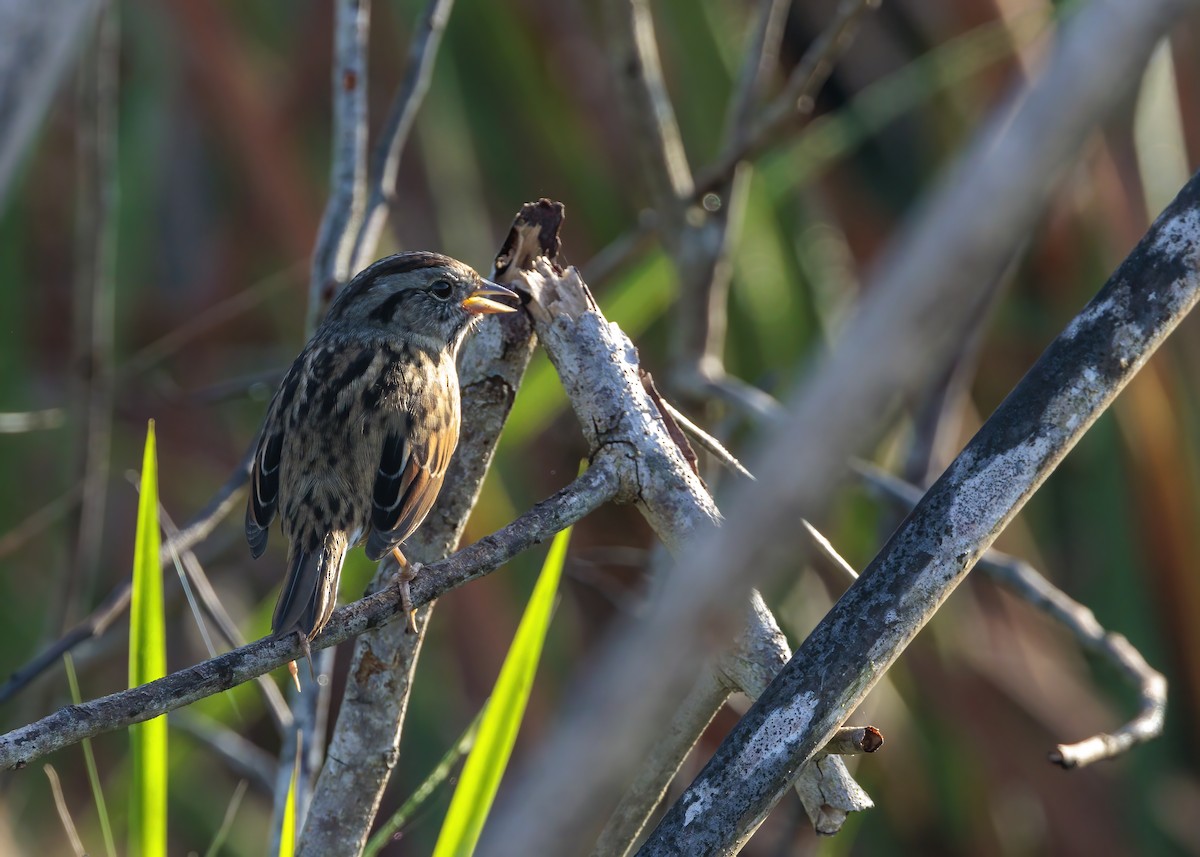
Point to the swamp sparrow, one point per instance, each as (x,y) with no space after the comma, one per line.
(358,437)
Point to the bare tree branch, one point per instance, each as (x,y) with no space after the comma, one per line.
(332,258)
(596,486)
(1031,586)
(385,163)
(1018,447)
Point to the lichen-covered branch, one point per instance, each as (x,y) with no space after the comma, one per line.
(1028,584)
(949,530)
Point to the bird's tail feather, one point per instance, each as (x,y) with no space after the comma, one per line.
(310,591)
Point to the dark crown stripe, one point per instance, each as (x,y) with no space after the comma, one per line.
(401,263)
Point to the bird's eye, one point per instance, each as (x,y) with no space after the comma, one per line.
(441,290)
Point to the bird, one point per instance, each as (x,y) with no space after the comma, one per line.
(358,437)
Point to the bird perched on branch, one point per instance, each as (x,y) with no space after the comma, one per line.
(358,437)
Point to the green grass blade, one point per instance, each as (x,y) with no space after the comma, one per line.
(287,831)
(89,758)
(235,803)
(431,783)
(502,716)
(148,661)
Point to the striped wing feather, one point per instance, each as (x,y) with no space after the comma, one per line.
(411,470)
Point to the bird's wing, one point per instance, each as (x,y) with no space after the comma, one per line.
(412,466)
(264,471)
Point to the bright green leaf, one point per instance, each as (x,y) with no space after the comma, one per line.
(502,717)
(147,662)
(287,832)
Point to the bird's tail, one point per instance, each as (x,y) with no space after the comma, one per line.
(310,591)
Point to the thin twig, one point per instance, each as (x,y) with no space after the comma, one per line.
(656,136)
(99,620)
(643,795)
(710,235)
(797,99)
(64,814)
(312,719)
(852,740)
(207,320)
(1030,585)
(39,520)
(385,161)
(277,707)
(235,803)
(826,551)
(709,443)
(241,756)
(95,254)
(759,60)
(27,421)
(344,210)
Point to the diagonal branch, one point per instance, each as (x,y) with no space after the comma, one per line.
(1075,379)
(598,484)
(1024,580)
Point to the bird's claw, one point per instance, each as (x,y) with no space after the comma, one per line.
(408,572)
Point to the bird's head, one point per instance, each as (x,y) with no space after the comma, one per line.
(427,299)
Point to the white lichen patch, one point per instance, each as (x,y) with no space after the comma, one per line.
(702,796)
(1090,314)
(993,488)
(776,735)
(1180,237)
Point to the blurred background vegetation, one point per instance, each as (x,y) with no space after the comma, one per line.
(222,172)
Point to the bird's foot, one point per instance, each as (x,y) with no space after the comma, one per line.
(408,572)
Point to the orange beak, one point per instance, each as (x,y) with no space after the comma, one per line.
(481,301)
